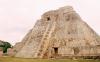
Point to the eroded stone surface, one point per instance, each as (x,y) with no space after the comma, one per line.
(59,33)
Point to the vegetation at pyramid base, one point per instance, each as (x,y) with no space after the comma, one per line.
(5,46)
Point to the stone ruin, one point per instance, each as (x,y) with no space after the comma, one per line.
(59,33)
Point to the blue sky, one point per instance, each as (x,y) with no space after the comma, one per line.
(17,17)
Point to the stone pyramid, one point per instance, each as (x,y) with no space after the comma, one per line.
(59,33)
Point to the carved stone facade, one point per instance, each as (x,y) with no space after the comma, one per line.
(59,33)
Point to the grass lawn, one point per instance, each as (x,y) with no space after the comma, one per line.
(10,59)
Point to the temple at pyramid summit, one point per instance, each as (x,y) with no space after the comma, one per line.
(59,33)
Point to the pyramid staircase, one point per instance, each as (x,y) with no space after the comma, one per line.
(45,40)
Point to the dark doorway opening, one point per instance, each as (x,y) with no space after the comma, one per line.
(56,50)
(48,18)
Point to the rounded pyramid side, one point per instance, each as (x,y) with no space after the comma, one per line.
(72,32)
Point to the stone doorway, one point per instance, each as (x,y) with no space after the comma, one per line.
(55,50)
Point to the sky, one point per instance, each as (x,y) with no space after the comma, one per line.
(17,17)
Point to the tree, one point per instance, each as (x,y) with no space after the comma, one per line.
(6,46)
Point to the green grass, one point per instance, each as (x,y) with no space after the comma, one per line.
(9,59)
